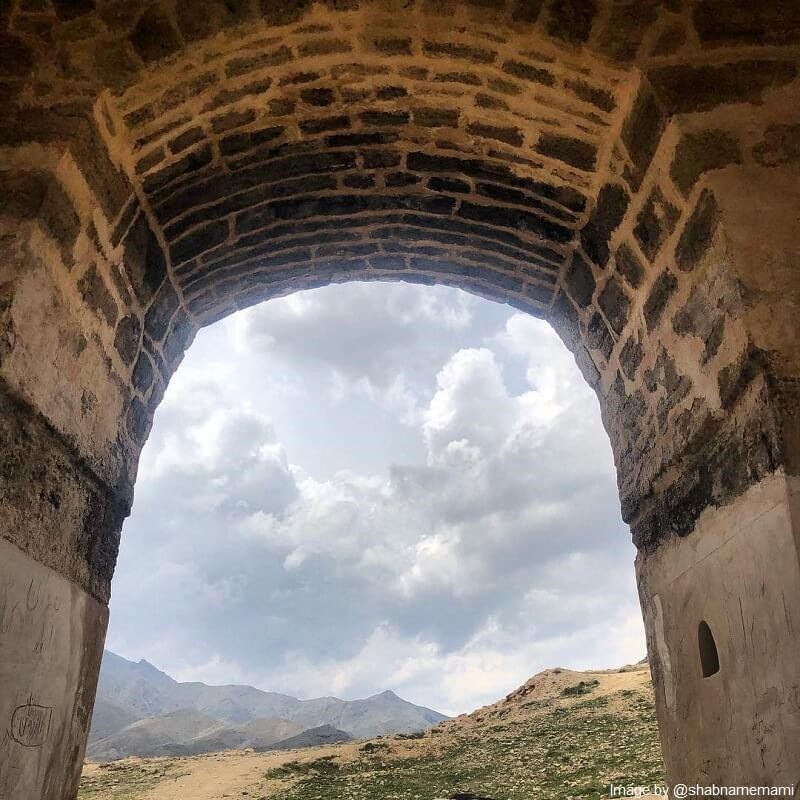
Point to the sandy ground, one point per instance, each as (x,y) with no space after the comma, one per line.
(240,774)
(234,774)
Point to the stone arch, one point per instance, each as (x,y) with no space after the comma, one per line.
(611,167)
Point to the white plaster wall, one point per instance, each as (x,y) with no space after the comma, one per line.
(51,642)
(739,571)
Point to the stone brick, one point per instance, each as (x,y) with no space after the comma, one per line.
(243,142)
(517,219)
(719,22)
(358,181)
(173,97)
(308,207)
(96,295)
(396,179)
(662,291)
(243,64)
(598,97)
(685,88)
(227,97)
(323,47)
(143,260)
(697,153)
(198,241)
(280,106)
(385,117)
(439,184)
(436,117)
(698,233)
(626,26)
(180,335)
(629,266)
(59,217)
(507,135)
(477,55)
(317,96)
(154,36)
(526,10)
(232,119)
(142,373)
(127,338)
(149,161)
(642,131)
(360,139)
(780,145)
(391,92)
(631,357)
(323,124)
(571,20)
(655,223)
(393,46)
(608,213)
(575,152)
(138,421)
(615,304)
(599,337)
(529,72)
(580,281)
(191,162)
(186,139)
(467,78)
(160,312)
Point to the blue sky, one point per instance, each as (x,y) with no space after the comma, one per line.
(372,486)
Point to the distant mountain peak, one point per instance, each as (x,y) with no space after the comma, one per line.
(131,692)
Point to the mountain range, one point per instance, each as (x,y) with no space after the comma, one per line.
(142,711)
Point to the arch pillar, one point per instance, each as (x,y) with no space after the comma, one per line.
(737,567)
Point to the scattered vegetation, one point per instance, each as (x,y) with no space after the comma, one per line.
(584,687)
(557,738)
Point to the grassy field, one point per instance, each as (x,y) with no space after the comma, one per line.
(562,735)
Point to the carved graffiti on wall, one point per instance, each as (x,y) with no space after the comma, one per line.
(33,608)
(30,724)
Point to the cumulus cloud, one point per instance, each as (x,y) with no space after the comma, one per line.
(450,578)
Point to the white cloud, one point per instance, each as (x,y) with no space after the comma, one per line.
(450,579)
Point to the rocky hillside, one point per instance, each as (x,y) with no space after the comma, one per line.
(144,712)
(562,735)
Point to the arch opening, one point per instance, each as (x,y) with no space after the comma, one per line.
(512,494)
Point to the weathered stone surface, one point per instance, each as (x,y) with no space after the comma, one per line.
(580,281)
(143,261)
(700,152)
(655,223)
(781,145)
(664,287)
(629,266)
(700,88)
(720,23)
(642,131)
(142,377)
(154,37)
(609,211)
(477,147)
(127,338)
(160,312)
(599,337)
(574,152)
(697,233)
(95,294)
(615,304)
